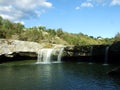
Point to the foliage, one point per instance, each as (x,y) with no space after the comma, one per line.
(8,28)
(117,37)
(40,34)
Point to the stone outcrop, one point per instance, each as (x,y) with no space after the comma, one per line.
(77,53)
(15,49)
(93,53)
(114,52)
(10,46)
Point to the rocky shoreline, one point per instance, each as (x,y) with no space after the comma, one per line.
(20,50)
(12,50)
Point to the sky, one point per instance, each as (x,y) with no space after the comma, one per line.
(91,17)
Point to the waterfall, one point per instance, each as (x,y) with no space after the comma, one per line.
(106,55)
(60,54)
(91,53)
(45,55)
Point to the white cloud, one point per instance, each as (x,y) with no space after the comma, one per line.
(94,3)
(89,0)
(20,22)
(86,4)
(9,12)
(115,2)
(23,9)
(77,8)
(100,1)
(104,2)
(47,4)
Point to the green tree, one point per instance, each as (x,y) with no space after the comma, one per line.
(117,37)
(51,32)
(43,28)
(1,21)
(2,33)
(18,27)
(59,32)
(7,24)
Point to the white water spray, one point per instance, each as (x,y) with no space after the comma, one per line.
(60,54)
(106,55)
(45,55)
(91,53)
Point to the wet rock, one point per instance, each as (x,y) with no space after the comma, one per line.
(114,72)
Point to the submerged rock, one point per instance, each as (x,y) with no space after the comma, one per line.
(114,72)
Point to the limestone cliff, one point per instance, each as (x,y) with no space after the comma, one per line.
(11,50)
(10,46)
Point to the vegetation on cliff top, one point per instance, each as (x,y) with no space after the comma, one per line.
(40,34)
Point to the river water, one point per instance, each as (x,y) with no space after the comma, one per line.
(27,75)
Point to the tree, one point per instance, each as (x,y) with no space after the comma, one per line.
(117,37)
(7,24)
(19,27)
(42,28)
(2,33)
(59,32)
(1,21)
(51,32)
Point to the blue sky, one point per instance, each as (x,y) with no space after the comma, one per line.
(91,17)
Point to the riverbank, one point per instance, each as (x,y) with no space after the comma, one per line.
(23,50)
(12,50)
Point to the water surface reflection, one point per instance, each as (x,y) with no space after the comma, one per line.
(57,76)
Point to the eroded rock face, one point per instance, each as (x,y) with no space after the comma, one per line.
(77,50)
(114,52)
(115,47)
(10,46)
(18,50)
(77,53)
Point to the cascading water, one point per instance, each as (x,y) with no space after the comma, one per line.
(60,54)
(91,53)
(45,55)
(106,55)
